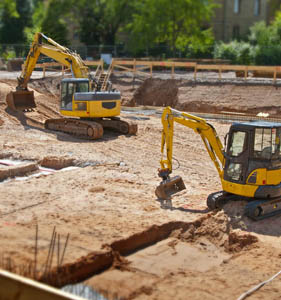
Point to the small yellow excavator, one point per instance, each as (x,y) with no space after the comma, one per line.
(249,164)
(89,104)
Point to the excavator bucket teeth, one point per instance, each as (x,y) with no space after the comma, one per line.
(21,100)
(169,187)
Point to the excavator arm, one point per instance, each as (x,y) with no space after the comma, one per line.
(210,139)
(23,99)
(53,50)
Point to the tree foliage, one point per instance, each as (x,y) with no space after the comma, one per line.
(263,46)
(38,16)
(176,23)
(100,20)
(15,16)
(54,23)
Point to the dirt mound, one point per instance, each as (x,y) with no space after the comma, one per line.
(157,92)
(48,85)
(217,229)
(56,163)
(209,97)
(4,90)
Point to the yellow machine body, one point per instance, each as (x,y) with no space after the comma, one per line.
(249,166)
(86,109)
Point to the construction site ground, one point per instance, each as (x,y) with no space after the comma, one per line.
(124,242)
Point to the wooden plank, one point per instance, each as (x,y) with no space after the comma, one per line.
(124,68)
(208,67)
(143,67)
(261,68)
(155,63)
(17,287)
(246,73)
(233,67)
(142,73)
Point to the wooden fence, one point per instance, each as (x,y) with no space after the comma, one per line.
(146,68)
(138,67)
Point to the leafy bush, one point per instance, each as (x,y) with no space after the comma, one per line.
(236,52)
(267,55)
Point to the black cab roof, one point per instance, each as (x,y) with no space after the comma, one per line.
(255,124)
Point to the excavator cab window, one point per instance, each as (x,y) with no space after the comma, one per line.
(237,154)
(69,88)
(267,143)
(238,143)
(82,87)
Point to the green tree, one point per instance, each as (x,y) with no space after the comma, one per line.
(100,20)
(15,16)
(263,47)
(38,15)
(54,23)
(177,23)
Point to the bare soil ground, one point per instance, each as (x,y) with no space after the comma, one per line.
(123,241)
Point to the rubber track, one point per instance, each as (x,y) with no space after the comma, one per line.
(269,208)
(119,125)
(82,129)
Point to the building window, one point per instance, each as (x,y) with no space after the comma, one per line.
(236,32)
(237,6)
(257,7)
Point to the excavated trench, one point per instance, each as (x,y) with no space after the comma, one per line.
(169,247)
(22,169)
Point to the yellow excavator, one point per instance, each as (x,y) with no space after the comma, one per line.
(249,164)
(88,103)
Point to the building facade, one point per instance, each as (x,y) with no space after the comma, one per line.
(233,18)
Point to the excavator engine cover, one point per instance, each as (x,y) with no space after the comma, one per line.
(21,100)
(169,187)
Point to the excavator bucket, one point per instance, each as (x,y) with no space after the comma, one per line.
(21,100)
(170,186)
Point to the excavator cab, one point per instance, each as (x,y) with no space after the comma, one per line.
(70,86)
(253,160)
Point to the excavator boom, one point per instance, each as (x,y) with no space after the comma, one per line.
(23,99)
(214,147)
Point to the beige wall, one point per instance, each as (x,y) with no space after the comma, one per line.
(227,24)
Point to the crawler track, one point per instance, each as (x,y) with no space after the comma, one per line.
(82,129)
(121,126)
(92,130)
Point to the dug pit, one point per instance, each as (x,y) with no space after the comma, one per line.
(137,262)
(23,169)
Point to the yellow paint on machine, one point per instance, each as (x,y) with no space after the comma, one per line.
(93,108)
(239,189)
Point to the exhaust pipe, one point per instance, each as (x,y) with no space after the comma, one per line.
(169,186)
(20,100)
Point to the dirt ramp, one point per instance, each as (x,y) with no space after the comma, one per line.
(157,92)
